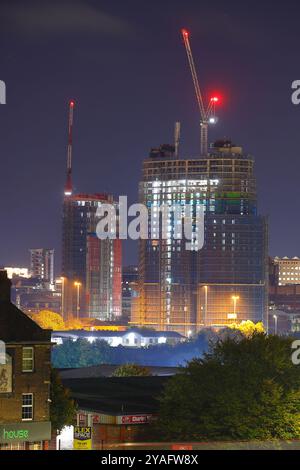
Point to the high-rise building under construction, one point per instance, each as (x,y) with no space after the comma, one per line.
(91,268)
(224,281)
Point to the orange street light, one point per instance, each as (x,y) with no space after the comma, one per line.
(276,323)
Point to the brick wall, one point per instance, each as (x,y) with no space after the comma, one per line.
(36,382)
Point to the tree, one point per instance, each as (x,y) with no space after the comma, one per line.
(73,324)
(54,321)
(81,353)
(62,407)
(245,388)
(127,370)
(248,328)
(49,320)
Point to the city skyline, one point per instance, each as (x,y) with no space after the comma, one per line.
(149,251)
(104,111)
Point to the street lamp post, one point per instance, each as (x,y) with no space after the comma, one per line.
(78,285)
(276,322)
(235,298)
(205,305)
(62,295)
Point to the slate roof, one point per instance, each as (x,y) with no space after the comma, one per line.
(15,326)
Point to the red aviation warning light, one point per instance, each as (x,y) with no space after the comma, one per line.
(214,100)
(185,33)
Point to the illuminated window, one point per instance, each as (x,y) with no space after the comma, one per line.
(27,406)
(27,359)
(35,445)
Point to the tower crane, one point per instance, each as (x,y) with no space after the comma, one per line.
(177,138)
(69,185)
(207,114)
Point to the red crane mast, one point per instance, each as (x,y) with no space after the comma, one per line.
(69,185)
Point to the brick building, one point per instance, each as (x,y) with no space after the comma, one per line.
(24,377)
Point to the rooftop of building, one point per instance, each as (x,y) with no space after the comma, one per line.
(16,326)
(221,148)
(90,197)
(107,370)
(117,395)
(41,249)
(146,333)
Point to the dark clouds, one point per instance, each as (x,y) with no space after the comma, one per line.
(61,17)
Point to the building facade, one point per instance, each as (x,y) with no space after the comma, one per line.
(129,290)
(25,365)
(286,270)
(42,264)
(16,272)
(91,268)
(132,338)
(226,280)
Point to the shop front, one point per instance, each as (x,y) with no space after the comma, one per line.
(111,429)
(25,436)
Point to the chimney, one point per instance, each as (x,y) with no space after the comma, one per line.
(5,285)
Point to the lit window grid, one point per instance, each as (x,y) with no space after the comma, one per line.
(27,406)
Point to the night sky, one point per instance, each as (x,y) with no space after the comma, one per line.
(124,64)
